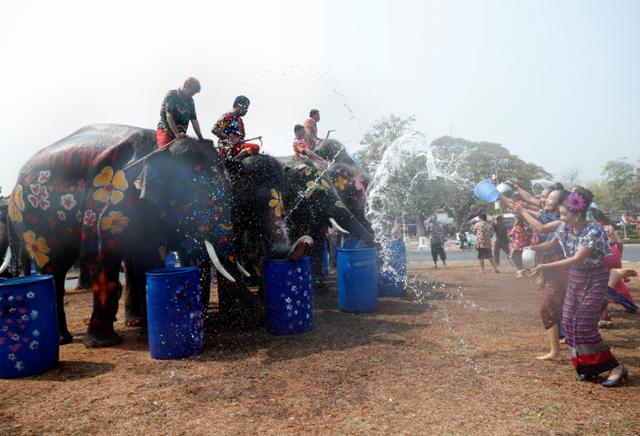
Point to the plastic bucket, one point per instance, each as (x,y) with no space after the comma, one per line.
(28,326)
(287,289)
(393,274)
(528,258)
(486,191)
(174,313)
(357,279)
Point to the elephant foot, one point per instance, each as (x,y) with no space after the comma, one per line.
(65,338)
(108,339)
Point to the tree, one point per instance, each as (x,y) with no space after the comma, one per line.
(620,187)
(416,177)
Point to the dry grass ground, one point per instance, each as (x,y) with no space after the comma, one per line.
(459,359)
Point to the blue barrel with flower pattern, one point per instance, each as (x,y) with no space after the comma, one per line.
(174,313)
(393,274)
(289,296)
(28,326)
(357,279)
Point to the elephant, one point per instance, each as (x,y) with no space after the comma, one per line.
(106,195)
(319,194)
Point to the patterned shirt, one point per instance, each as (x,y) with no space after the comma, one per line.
(434,228)
(483,232)
(545,218)
(182,111)
(520,237)
(231,124)
(592,236)
(299,148)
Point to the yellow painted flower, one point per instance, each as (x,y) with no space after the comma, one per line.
(306,169)
(276,202)
(37,248)
(341,183)
(16,205)
(225,227)
(110,186)
(114,222)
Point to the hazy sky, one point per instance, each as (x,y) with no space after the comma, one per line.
(558,83)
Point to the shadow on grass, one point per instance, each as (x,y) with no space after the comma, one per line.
(71,370)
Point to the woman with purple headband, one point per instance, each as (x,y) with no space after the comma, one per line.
(585,245)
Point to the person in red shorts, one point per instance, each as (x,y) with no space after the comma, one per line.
(176,111)
(230,131)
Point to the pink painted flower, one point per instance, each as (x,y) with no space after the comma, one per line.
(44,177)
(89,218)
(39,197)
(68,201)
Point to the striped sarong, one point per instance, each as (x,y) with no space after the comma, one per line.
(586,293)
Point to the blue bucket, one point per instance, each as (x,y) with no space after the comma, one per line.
(393,274)
(28,326)
(486,191)
(174,313)
(287,289)
(357,279)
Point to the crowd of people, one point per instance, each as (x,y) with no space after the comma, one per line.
(579,270)
(178,110)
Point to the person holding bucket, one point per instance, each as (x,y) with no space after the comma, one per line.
(585,245)
(483,231)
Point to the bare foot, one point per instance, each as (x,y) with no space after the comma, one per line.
(549,356)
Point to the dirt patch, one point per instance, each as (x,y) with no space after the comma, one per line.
(456,356)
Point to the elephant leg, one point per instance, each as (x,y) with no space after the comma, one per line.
(106,293)
(238,305)
(64,337)
(134,302)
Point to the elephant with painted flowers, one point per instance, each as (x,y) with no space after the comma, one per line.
(105,194)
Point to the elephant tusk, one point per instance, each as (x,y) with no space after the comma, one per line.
(7,259)
(216,262)
(242,269)
(306,239)
(337,227)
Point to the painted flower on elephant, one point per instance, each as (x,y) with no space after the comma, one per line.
(43,177)
(276,202)
(306,169)
(89,218)
(61,215)
(39,197)
(110,186)
(16,205)
(341,183)
(37,248)
(68,201)
(114,222)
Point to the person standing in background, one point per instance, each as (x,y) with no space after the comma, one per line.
(434,229)
(311,129)
(483,231)
(502,240)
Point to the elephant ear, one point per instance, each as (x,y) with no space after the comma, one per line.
(152,186)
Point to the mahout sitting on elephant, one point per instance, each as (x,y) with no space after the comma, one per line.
(319,195)
(101,194)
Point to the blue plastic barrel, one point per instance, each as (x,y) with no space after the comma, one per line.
(393,274)
(357,279)
(287,289)
(28,326)
(174,313)
(485,190)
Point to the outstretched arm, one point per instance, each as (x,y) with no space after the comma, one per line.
(196,128)
(581,254)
